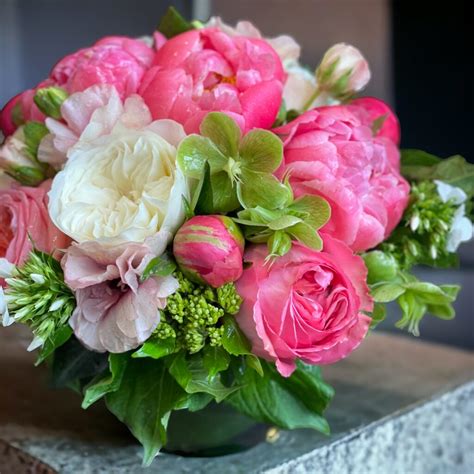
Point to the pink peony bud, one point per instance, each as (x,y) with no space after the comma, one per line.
(209,249)
(343,71)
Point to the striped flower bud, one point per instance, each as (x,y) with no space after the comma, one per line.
(209,249)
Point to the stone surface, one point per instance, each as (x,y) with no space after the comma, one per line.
(401,406)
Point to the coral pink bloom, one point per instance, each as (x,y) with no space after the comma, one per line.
(375,109)
(24,214)
(331,152)
(118,61)
(208,70)
(209,249)
(115,312)
(307,305)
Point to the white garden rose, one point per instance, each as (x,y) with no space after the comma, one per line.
(124,185)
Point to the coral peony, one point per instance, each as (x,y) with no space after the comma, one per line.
(208,70)
(307,305)
(332,152)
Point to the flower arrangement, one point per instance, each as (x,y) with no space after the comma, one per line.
(196,218)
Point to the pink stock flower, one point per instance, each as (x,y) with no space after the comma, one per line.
(332,152)
(115,312)
(208,70)
(24,214)
(307,305)
(115,60)
(210,249)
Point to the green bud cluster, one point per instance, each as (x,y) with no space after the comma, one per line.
(38,297)
(193,314)
(422,233)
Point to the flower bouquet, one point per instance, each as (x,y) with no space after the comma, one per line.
(195,221)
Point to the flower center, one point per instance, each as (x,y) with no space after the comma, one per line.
(234,170)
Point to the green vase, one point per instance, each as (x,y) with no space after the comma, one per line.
(216,430)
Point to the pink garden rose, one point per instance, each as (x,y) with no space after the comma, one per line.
(332,152)
(307,305)
(209,249)
(208,70)
(24,213)
(115,312)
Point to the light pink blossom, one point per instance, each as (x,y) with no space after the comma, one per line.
(307,305)
(332,152)
(115,312)
(209,249)
(208,70)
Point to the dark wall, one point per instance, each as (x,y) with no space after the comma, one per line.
(434,84)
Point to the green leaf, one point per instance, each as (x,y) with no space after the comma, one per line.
(60,337)
(295,402)
(193,377)
(441,311)
(159,266)
(261,150)
(377,124)
(387,292)
(315,210)
(144,402)
(223,132)
(279,244)
(73,365)
(195,401)
(194,151)
(378,315)
(431,293)
(381,266)
(307,235)
(236,344)
(156,348)
(173,24)
(261,189)
(215,360)
(107,383)
(456,171)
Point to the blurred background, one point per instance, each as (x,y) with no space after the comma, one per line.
(417,50)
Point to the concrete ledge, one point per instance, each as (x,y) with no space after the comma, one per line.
(401,406)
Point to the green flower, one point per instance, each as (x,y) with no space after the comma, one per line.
(240,170)
(38,297)
(299,221)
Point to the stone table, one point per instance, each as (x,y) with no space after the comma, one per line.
(401,406)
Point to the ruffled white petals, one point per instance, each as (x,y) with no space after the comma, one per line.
(7,320)
(461,230)
(6,268)
(450,193)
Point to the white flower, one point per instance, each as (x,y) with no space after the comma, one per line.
(343,70)
(120,182)
(6,319)
(461,227)
(6,268)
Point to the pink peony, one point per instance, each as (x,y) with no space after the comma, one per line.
(115,60)
(307,305)
(331,152)
(24,214)
(115,312)
(210,249)
(208,70)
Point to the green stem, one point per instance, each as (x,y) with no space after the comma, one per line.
(313,97)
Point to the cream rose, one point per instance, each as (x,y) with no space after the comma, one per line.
(124,185)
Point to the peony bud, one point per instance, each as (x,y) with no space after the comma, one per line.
(49,101)
(209,249)
(343,71)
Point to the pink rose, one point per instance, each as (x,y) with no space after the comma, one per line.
(208,70)
(209,249)
(115,312)
(331,152)
(307,305)
(118,61)
(24,214)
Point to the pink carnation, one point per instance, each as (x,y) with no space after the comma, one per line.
(307,305)
(332,152)
(209,70)
(24,214)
